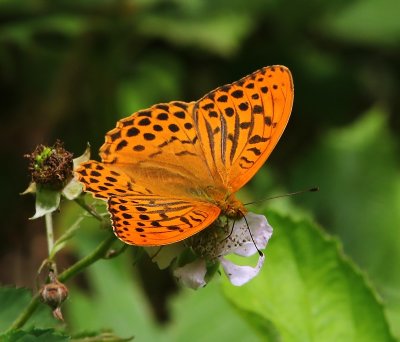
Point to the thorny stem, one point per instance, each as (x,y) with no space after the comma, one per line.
(79,266)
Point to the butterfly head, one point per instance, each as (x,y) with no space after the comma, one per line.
(232,207)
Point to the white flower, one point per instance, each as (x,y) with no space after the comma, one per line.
(247,233)
(193,274)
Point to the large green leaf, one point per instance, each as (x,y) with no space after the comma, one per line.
(357,170)
(308,291)
(13,301)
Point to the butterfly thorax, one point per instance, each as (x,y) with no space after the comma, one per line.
(226,200)
(232,207)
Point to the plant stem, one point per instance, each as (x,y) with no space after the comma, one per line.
(79,266)
(58,244)
(89,209)
(97,254)
(49,231)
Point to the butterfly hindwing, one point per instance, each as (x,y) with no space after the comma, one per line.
(157,220)
(104,181)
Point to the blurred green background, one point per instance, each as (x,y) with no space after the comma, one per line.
(70,70)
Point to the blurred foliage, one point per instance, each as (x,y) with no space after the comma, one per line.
(69,70)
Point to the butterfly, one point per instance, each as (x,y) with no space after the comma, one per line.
(171,170)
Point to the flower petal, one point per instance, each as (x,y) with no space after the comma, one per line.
(163,256)
(260,230)
(239,275)
(192,275)
(73,189)
(245,236)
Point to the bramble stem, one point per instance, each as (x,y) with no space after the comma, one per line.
(100,252)
(97,254)
(80,201)
(58,244)
(49,231)
(79,266)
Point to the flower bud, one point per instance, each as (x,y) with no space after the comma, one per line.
(54,294)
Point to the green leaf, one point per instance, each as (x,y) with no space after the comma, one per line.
(35,335)
(47,201)
(13,301)
(356,168)
(99,337)
(308,291)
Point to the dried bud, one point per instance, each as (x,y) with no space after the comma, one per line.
(51,166)
(54,294)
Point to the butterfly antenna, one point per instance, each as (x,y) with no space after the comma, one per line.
(251,235)
(314,189)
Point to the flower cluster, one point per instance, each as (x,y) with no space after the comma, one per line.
(197,259)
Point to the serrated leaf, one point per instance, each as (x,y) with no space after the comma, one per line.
(13,301)
(357,170)
(34,335)
(308,291)
(47,201)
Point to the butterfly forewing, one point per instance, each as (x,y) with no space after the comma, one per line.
(159,147)
(240,124)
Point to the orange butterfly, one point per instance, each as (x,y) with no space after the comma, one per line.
(169,171)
